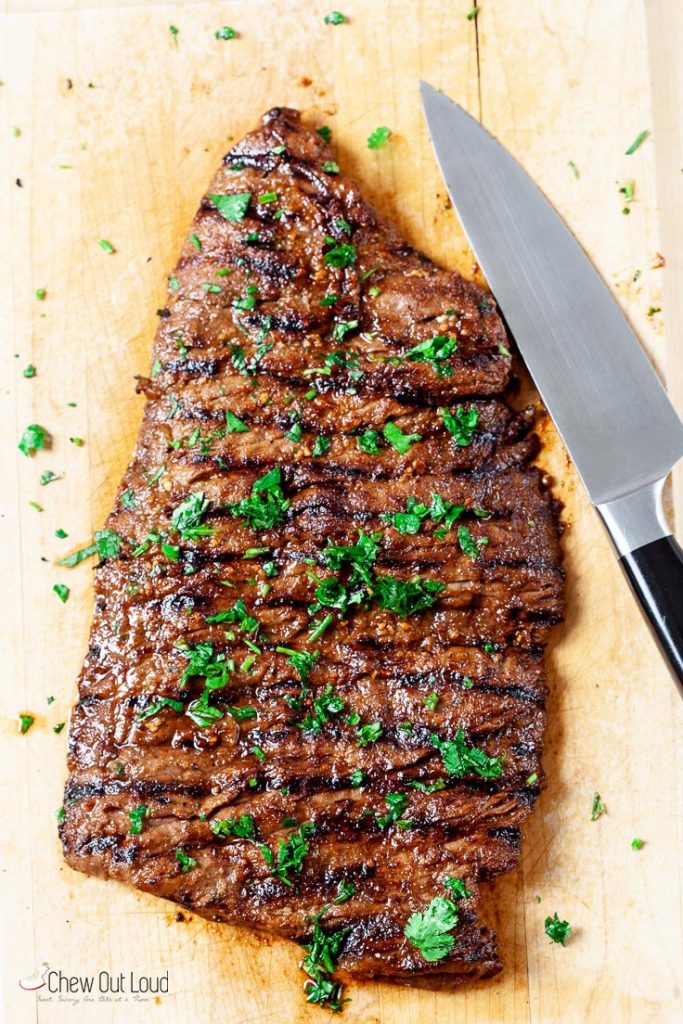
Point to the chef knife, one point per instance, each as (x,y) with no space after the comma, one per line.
(607,403)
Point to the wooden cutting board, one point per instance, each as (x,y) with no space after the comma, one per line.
(120,126)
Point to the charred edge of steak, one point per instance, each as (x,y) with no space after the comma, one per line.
(267,344)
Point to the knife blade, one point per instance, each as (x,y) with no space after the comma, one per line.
(608,405)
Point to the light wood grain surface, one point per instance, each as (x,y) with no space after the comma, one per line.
(568,81)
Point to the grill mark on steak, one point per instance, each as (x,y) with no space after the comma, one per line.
(478,650)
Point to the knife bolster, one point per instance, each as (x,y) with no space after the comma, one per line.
(635,519)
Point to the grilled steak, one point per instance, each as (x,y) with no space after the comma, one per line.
(313,698)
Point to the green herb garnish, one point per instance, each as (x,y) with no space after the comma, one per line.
(556,930)
(368,442)
(233,207)
(434,351)
(266,505)
(137,816)
(234,425)
(241,828)
(461,425)
(341,256)
(35,438)
(320,963)
(429,930)
(186,863)
(396,803)
(638,141)
(397,439)
(597,808)
(62,592)
(467,543)
(459,759)
(188,515)
(367,734)
(379,137)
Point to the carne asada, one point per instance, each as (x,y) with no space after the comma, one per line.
(313,697)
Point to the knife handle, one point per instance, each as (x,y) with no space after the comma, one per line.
(653,563)
(655,572)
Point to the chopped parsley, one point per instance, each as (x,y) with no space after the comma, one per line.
(345,889)
(137,816)
(341,256)
(48,477)
(187,517)
(458,888)
(429,931)
(406,597)
(324,132)
(320,628)
(431,700)
(225,33)
(637,844)
(397,804)
(156,706)
(331,167)
(41,294)
(324,706)
(241,828)
(237,614)
(196,241)
(368,442)
(356,778)
(638,141)
(29,371)
(335,18)
(379,137)
(35,438)
(25,723)
(291,853)
(203,662)
(301,661)
(340,329)
(266,506)
(461,425)
(556,930)
(467,543)
(233,207)
(321,446)
(62,592)
(367,734)
(108,543)
(248,301)
(186,863)
(397,439)
(459,759)
(434,351)
(409,522)
(320,963)
(597,808)
(234,425)
(78,556)
(107,246)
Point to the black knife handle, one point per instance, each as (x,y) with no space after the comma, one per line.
(655,572)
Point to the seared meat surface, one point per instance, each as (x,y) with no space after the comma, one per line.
(315,683)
